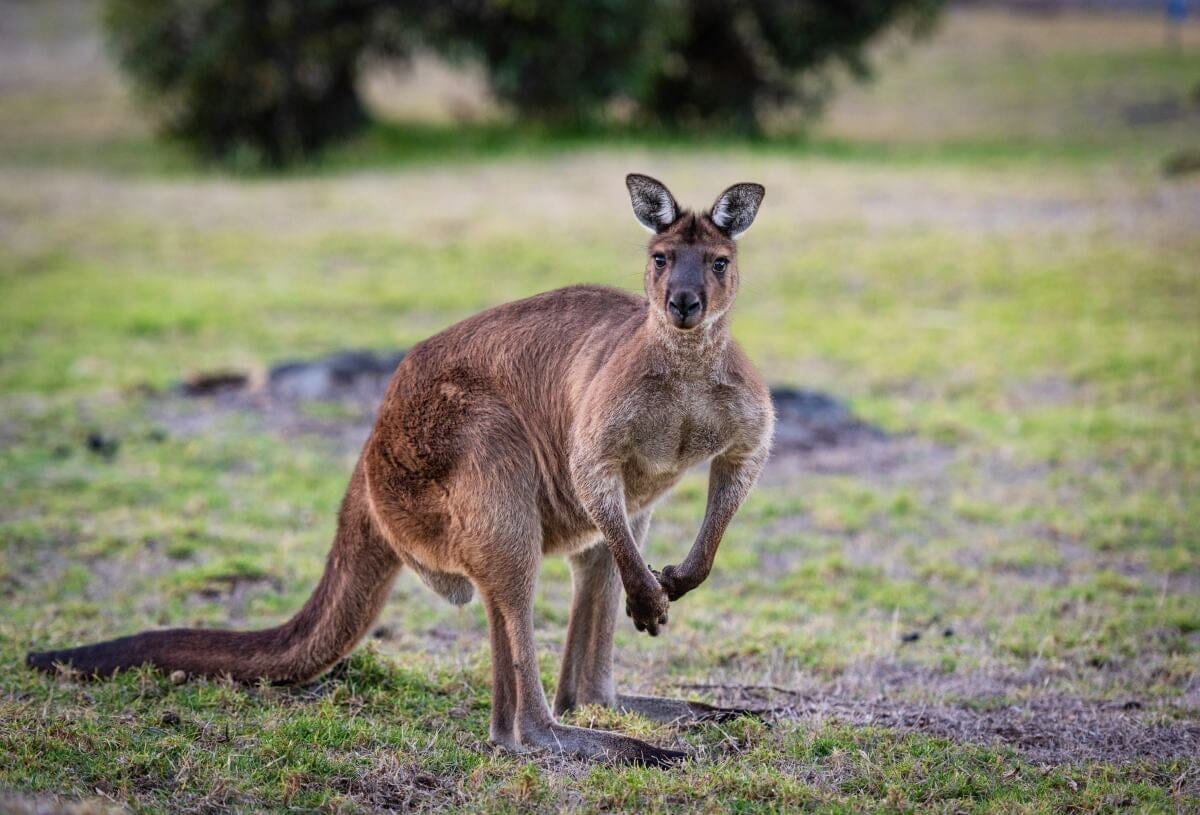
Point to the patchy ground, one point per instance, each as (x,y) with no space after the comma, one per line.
(969,582)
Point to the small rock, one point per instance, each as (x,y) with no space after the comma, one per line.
(209,383)
(177,677)
(1155,111)
(1182,162)
(336,376)
(103,444)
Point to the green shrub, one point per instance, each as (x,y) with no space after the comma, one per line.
(270,79)
(730,62)
(557,61)
(275,80)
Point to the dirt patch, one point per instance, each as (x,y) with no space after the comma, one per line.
(237,593)
(808,420)
(1182,162)
(894,458)
(361,375)
(1043,713)
(1047,730)
(391,786)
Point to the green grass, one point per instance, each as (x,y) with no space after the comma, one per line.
(398,145)
(330,750)
(1019,309)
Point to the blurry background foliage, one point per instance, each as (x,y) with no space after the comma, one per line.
(273,81)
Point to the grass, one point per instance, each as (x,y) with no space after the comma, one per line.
(943,616)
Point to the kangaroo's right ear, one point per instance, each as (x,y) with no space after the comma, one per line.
(653,204)
(735,208)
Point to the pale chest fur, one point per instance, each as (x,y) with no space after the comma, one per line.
(669,438)
(677,428)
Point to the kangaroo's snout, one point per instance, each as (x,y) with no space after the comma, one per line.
(686,308)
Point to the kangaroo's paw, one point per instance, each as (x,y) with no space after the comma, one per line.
(599,745)
(671,711)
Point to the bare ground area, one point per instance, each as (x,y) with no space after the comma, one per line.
(1048,729)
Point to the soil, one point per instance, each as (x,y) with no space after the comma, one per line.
(1048,729)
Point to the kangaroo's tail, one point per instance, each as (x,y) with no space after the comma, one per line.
(358,576)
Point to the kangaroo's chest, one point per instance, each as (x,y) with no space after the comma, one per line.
(677,432)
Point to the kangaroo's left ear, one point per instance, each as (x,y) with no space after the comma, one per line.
(653,204)
(734,209)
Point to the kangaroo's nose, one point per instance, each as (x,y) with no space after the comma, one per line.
(684,304)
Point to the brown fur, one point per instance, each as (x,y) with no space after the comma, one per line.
(545,426)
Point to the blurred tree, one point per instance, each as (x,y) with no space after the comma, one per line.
(276,79)
(732,60)
(266,79)
(554,60)
(711,63)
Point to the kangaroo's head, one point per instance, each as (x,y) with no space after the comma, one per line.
(691,268)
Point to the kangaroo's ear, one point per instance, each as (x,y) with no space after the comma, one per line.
(653,204)
(734,209)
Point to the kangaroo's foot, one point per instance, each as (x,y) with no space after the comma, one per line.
(656,708)
(598,745)
(671,711)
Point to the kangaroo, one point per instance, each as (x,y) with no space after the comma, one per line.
(548,426)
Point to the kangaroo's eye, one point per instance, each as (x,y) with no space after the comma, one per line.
(720,265)
(660,261)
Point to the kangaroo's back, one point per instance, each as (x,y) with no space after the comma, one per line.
(546,339)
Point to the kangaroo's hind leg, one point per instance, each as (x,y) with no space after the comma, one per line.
(516,678)
(587,673)
(586,677)
(504,564)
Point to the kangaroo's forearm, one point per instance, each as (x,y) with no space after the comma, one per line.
(603,496)
(611,519)
(729,482)
(603,499)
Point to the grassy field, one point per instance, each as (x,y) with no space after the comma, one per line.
(995,608)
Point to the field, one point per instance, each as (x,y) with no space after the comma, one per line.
(992,606)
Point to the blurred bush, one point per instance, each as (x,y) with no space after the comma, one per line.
(274,80)
(557,61)
(732,62)
(264,80)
